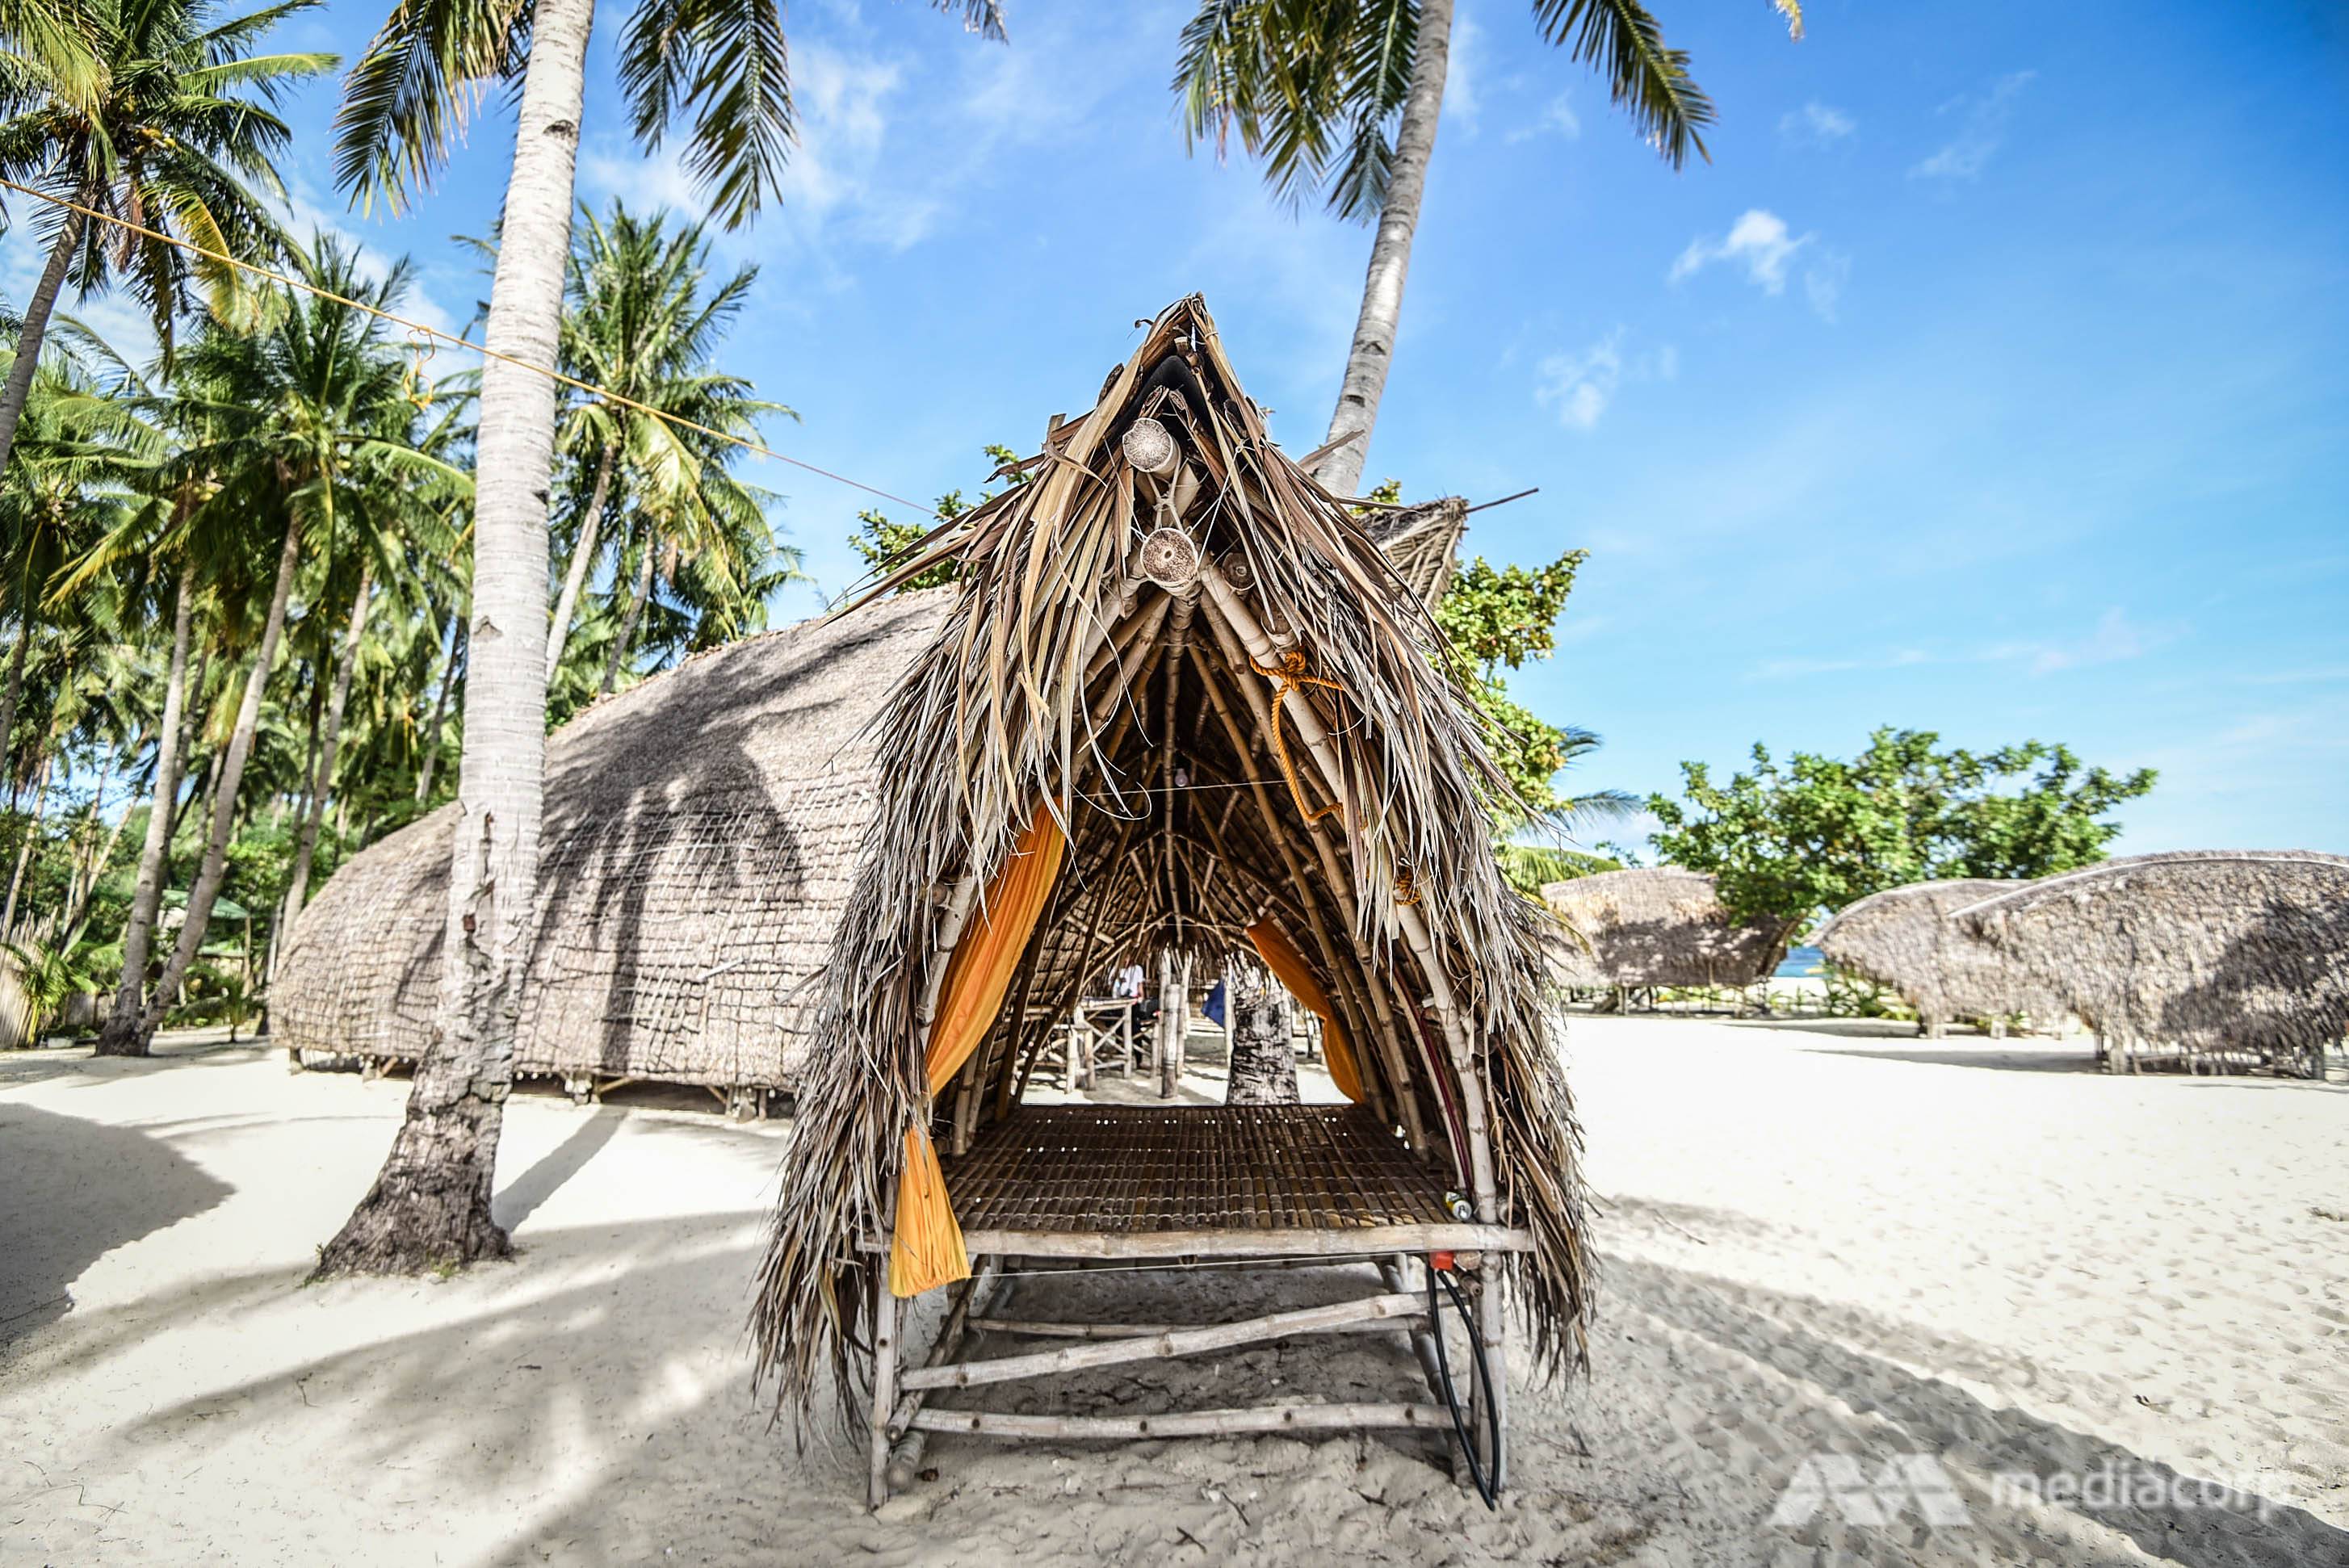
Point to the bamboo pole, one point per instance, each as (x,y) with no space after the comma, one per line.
(1348,1242)
(1190,1423)
(1034,1329)
(1165,1345)
(886,1324)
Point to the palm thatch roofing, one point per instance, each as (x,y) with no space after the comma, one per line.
(1656,925)
(1141,713)
(1421,543)
(1904,938)
(700,830)
(2208,952)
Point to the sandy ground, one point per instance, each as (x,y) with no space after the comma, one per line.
(1819,1240)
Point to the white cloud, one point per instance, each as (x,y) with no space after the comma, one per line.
(1816,124)
(1981,130)
(1558,118)
(831,184)
(2113,640)
(1761,242)
(1580,386)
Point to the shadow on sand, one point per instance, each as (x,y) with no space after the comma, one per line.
(121,1184)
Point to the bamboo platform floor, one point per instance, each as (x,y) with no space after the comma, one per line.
(1137,1170)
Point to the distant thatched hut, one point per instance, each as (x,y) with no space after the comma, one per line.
(1654,926)
(1181,702)
(2222,957)
(1904,938)
(698,840)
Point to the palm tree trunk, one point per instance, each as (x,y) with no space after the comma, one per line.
(582,556)
(1263,1065)
(214,868)
(628,622)
(37,326)
(120,1036)
(14,691)
(455,641)
(25,848)
(430,1203)
(1374,329)
(330,740)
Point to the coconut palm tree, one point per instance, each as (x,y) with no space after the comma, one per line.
(641,324)
(397,513)
(1341,96)
(295,417)
(176,133)
(721,65)
(689,510)
(69,487)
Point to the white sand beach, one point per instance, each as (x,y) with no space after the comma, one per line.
(1818,1240)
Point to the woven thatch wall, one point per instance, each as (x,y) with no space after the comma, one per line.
(2203,952)
(1904,938)
(1655,926)
(1141,713)
(700,834)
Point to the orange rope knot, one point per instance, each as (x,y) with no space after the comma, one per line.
(1406,890)
(1292,676)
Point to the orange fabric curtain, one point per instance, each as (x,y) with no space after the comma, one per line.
(928,1250)
(1289,965)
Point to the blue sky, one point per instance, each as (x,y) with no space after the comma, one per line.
(1989,380)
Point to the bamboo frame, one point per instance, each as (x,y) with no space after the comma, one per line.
(1165,1344)
(1191,1423)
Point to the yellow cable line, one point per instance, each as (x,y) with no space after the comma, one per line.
(486,352)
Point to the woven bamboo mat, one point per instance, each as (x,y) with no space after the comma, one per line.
(1115,1170)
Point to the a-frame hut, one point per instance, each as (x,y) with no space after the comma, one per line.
(1181,701)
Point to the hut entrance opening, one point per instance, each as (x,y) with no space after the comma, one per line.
(1202,828)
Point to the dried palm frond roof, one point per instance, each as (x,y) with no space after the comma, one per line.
(700,832)
(1421,543)
(1903,937)
(1266,731)
(2207,950)
(1656,925)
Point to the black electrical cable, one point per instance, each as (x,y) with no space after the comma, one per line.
(1486,1488)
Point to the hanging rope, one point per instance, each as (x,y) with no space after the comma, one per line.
(418,330)
(1292,677)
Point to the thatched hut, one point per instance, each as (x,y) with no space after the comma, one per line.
(1660,925)
(2214,957)
(1180,703)
(1904,938)
(699,834)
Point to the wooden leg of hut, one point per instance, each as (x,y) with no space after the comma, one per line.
(886,1322)
(1493,1324)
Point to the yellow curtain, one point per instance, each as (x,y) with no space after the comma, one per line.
(1280,955)
(928,1250)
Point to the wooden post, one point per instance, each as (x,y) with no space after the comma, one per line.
(885,1325)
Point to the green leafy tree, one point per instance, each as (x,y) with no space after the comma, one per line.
(879,540)
(50,973)
(1499,619)
(1790,841)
